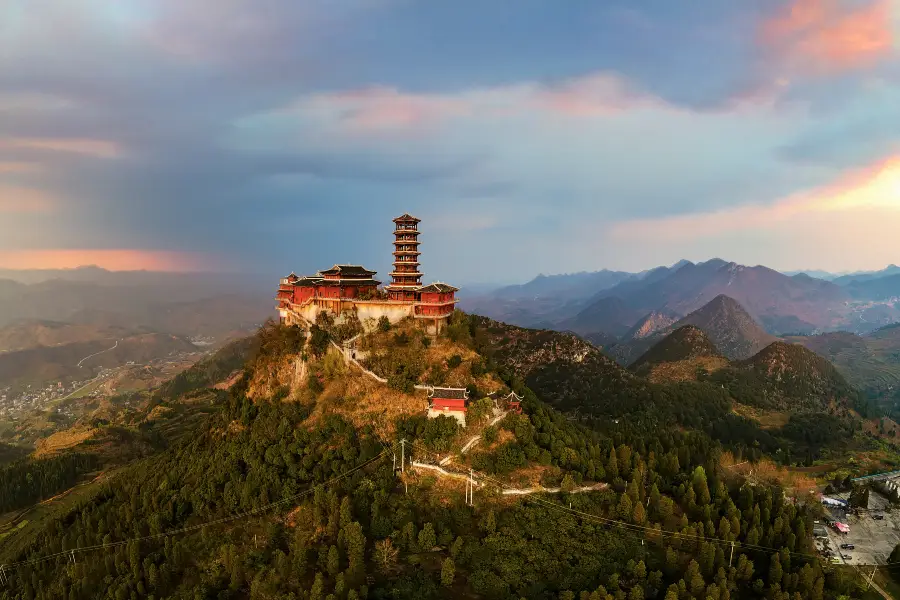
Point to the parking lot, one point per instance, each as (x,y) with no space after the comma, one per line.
(873,540)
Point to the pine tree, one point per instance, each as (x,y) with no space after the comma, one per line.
(612,465)
(427,538)
(448,572)
(334,561)
(775,571)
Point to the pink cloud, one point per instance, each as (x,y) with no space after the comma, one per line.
(22,200)
(821,36)
(385,109)
(594,95)
(112,259)
(388,108)
(85,146)
(19,167)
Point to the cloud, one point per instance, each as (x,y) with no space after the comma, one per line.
(252,132)
(385,109)
(853,199)
(87,147)
(18,167)
(824,37)
(21,200)
(111,259)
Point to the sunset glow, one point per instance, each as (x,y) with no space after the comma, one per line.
(112,260)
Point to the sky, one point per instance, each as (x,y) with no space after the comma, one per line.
(276,135)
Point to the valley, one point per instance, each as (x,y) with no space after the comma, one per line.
(610,449)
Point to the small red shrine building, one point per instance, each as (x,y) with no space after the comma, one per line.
(344,288)
(513,403)
(452,402)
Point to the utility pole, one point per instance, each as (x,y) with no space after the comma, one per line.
(472,487)
(730,556)
(395,463)
(871,577)
(3,578)
(403,455)
(72,556)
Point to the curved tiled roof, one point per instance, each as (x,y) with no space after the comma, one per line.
(444,393)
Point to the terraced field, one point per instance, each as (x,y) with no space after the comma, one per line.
(870,363)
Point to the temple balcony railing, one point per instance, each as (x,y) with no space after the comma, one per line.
(415,303)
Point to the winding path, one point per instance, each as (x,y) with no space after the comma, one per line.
(506,491)
(98,353)
(470,443)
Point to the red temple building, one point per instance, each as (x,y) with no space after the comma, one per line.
(452,402)
(344,288)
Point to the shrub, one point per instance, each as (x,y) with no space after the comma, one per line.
(314,384)
(318,340)
(489,435)
(333,366)
(454,361)
(479,411)
(384,324)
(439,433)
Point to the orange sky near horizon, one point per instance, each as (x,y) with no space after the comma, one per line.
(109,259)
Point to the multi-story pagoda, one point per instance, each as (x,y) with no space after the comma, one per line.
(406,278)
(344,288)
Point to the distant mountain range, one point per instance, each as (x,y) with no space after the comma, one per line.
(609,304)
(844,278)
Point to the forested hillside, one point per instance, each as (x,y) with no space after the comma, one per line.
(279,497)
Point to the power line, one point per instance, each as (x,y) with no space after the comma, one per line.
(632,527)
(199,526)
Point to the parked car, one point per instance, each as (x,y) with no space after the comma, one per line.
(848,547)
(878,517)
(845,556)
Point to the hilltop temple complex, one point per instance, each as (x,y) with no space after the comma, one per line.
(353,288)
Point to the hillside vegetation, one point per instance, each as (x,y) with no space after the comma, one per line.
(685,343)
(288,492)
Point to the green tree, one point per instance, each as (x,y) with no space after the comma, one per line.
(448,572)
(700,486)
(317,592)
(456,547)
(334,561)
(427,538)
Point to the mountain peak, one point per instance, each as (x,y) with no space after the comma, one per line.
(684,343)
(730,327)
(798,371)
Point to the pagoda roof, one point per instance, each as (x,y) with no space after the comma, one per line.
(308,281)
(446,393)
(343,282)
(438,287)
(407,218)
(350,270)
